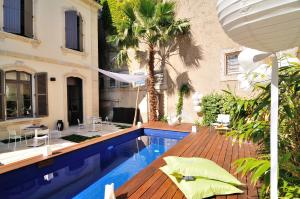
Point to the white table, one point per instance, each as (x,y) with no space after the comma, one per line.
(35,138)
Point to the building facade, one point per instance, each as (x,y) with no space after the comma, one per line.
(47,50)
(206,59)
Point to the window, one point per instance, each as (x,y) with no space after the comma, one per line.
(232,63)
(73,30)
(124,84)
(18,94)
(112,83)
(18,15)
(16,88)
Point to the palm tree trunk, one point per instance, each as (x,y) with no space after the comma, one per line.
(151,84)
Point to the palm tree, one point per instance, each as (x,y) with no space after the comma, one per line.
(152,23)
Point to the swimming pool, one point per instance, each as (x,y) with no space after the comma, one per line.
(83,173)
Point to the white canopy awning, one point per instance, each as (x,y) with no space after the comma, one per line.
(121,77)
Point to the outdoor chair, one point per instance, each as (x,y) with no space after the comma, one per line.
(12,134)
(43,135)
(80,125)
(56,131)
(98,123)
(107,120)
(172,121)
(222,123)
(26,132)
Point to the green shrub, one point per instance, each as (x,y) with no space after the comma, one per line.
(225,103)
(163,118)
(211,106)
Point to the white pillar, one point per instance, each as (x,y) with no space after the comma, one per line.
(274,129)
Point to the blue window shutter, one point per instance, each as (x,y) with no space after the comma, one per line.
(41,83)
(28,17)
(12,16)
(71,29)
(80,33)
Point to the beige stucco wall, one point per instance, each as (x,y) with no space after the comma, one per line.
(46,53)
(199,59)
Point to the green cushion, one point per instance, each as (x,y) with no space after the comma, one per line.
(199,167)
(201,187)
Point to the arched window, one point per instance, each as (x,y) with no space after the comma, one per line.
(73,28)
(18,92)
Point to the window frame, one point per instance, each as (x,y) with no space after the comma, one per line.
(79,34)
(18,82)
(226,63)
(23,24)
(222,67)
(124,85)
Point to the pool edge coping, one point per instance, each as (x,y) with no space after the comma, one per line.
(39,159)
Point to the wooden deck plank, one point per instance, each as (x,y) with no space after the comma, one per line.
(235,156)
(171,191)
(253,188)
(178,195)
(218,145)
(189,152)
(227,161)
(252,191)
(163,189)
(217,154)
(130,187)
(152,183)
(206,149)
(242,178)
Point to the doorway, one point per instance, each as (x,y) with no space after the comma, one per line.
(75,105)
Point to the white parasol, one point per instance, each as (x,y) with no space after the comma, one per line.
(270,26)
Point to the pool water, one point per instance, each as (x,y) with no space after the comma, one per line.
(120,171)
(85,177)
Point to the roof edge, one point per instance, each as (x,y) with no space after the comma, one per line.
(92,3)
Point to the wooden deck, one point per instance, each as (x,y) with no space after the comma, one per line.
(152,183)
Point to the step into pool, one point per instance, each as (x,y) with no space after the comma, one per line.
(84,173)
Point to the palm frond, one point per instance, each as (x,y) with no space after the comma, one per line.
(260,168)
(164,13)
(147,8)
(122,57)
(129,12)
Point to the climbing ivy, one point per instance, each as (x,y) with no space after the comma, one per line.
(184,90)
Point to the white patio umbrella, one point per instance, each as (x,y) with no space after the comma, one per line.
(269,26)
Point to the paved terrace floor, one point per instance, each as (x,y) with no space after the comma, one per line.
(152,183)
(10,154)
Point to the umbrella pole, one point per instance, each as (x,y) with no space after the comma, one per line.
(136,106)
(274,128)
